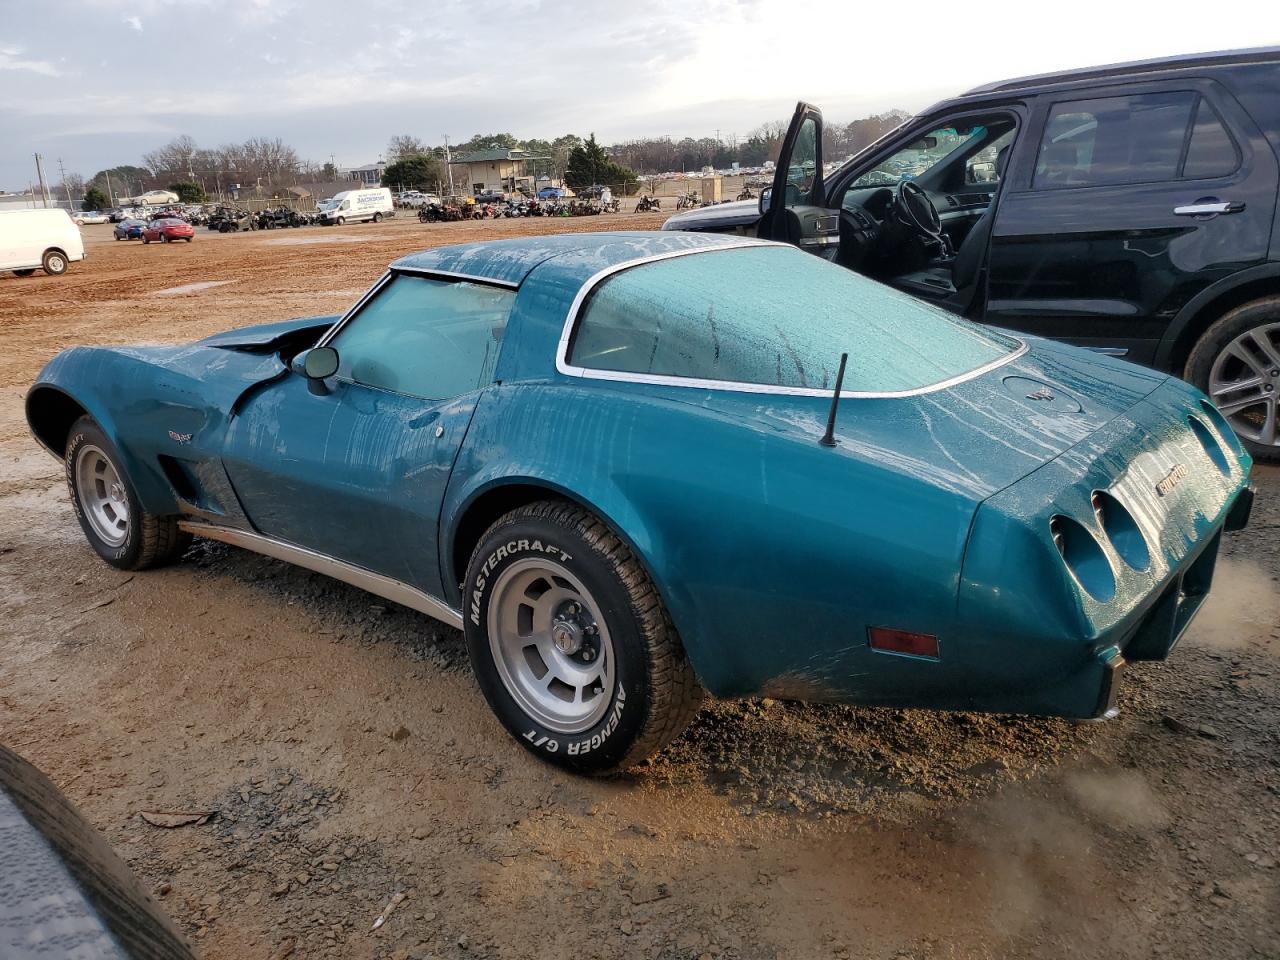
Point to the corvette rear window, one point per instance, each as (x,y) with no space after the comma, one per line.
(777,317)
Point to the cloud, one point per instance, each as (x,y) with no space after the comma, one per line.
(135,22)
(11,59)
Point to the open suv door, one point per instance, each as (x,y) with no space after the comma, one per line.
(794,210)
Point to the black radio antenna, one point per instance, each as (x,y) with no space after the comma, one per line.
(829,438)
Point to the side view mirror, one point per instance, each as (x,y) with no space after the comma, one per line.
(320,363)
(765,194)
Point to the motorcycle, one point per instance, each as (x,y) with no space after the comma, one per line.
(648,204)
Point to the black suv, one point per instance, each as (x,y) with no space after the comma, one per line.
(1129,208)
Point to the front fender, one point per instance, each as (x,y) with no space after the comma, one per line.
(79,374)
(156,401)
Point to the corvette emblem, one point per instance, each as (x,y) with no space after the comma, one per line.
(179,437)
(1041,394)
(1172,479)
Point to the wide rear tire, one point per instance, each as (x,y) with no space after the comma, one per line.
(570,642)
(107,505)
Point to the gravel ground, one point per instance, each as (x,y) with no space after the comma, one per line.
(348,757)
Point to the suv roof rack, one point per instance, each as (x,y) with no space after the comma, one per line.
(1253,54)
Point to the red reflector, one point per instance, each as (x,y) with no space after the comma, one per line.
(903,641)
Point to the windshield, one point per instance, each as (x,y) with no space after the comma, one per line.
(777,317)
(919,156)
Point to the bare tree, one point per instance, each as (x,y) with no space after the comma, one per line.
(403,145)
(174,157)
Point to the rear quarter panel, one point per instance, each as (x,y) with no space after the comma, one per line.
(772,553)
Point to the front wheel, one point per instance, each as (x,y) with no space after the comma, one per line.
(340,221)
(571,644)
(106,504)
(1237,363)
(145,238)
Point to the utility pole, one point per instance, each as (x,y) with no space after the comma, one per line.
(111,201)
(44,189)
(448,161)
(62,171)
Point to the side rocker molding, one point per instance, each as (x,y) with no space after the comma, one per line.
(375,583)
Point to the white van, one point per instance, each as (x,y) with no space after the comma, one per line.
(38,238)
(352,206)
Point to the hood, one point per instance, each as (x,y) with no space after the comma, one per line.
(720,216)
(267,337)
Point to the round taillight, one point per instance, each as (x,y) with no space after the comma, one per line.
(1084,557)
(1121,529)
(1210,444)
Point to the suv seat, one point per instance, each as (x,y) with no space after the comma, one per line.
(955,280)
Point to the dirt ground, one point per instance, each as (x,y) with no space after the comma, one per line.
(349,756)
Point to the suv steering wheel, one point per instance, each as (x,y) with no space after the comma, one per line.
(913,209)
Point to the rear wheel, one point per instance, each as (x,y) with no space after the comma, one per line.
(377,218)
(54,262)
(571,644)
(1237,363)
(112,518)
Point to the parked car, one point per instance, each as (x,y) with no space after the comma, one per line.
(81,217)
(1128,208)
(45,239)
(66,892)
(168,229)
(128,229)
(632,466)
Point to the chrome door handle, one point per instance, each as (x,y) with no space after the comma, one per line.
(1204,208)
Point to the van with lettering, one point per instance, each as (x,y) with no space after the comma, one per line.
(354,206)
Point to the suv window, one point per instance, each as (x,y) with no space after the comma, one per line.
(776,317)
(1140,138)
(1211,151)
(804,164)
(920,156)
(427,338)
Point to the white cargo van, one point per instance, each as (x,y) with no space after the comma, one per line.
(351,206)
(38,238)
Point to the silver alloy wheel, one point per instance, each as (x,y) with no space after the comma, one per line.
(1244,383)
(551,645)
(56,263)
(102,495)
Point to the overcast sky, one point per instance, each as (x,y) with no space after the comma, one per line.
(99,82)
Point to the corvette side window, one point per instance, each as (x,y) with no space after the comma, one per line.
(425,338)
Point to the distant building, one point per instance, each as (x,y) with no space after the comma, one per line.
(497,171)
(370,174)
(21,201)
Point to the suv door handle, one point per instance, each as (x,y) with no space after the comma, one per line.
(1204,208)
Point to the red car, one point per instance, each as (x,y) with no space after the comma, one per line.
(168,229)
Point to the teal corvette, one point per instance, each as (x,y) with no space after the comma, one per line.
(634,466)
